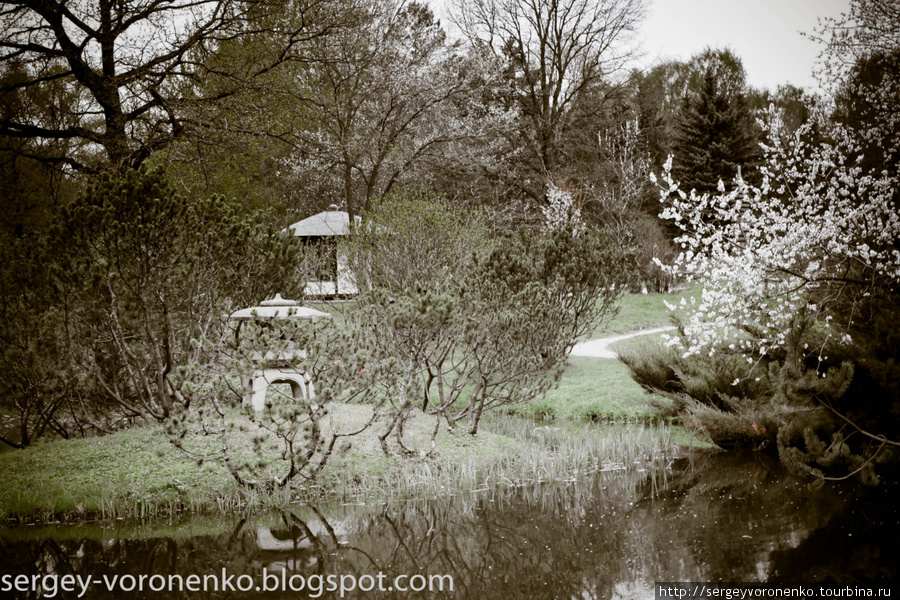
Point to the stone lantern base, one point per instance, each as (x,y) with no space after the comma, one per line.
(256,386)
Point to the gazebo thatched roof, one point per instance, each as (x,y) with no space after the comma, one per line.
(324,224)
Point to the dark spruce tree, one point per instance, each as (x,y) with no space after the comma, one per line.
(716,135)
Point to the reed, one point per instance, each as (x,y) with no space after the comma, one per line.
(541,454)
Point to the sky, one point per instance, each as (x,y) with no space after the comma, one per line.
(765,34)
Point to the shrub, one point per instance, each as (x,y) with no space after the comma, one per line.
(293,435)
(146,276)
(480,322)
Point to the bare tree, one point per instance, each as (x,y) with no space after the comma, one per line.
(386,97)
(556,49)
(131,62)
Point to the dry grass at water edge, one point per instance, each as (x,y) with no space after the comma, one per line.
(511,452)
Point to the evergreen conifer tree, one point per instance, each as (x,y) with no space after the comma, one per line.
(716,135)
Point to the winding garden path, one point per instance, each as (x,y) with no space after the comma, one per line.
(600,348)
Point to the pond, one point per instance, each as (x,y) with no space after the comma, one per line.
(712,517)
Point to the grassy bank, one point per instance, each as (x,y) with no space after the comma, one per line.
(138,473)
(641,311)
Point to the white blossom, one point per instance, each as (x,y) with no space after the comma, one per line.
(561,209)
(764,252)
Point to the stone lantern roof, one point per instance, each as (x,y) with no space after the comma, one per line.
(278,308)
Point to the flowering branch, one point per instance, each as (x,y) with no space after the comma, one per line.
(818,232)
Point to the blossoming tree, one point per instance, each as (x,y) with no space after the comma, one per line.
(817,237)
(792,343)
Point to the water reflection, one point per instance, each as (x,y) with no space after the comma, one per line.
(715,517)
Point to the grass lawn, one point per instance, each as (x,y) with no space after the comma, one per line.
(641,311)
(600,389)
(643,341)
(592,389)
(138,473)
(104,476)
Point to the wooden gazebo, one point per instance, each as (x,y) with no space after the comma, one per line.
(320,233)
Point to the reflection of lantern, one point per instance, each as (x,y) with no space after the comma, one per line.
(256,385)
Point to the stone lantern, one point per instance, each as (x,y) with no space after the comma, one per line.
(257,383)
